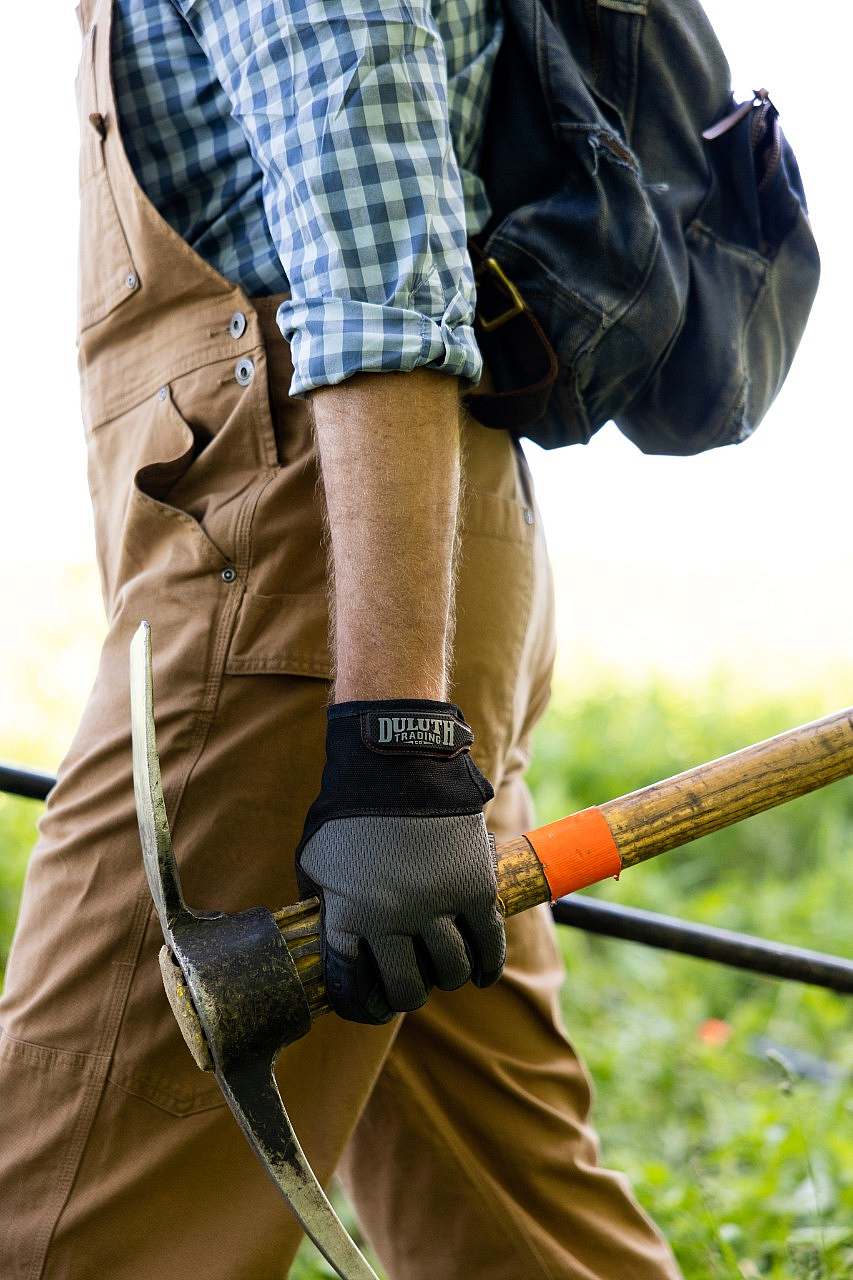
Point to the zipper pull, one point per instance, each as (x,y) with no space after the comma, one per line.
(759,98)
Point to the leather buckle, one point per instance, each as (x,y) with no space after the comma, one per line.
(517,304)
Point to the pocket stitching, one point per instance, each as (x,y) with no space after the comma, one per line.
(150,1089)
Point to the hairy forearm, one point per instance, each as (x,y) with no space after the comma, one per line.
(389,454)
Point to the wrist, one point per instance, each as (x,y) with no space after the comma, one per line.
(414,666)
(352,686)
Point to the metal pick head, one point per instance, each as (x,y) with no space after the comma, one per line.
(242,999)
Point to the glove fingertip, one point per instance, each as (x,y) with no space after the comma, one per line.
(354,988)
(485,941)
(487,977)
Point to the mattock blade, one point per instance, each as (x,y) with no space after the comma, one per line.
(160,867)
(252,1094)
(246,998)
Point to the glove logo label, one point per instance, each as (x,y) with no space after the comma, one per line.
(423,731)
(433,734)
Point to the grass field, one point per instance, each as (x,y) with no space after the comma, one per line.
(725,1097)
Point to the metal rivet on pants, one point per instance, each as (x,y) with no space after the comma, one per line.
(244,371)
(131,280)
(237,325)
(229,574)
(162,393)
(528,516)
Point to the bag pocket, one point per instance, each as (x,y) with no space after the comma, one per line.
(753,270)
(582,257)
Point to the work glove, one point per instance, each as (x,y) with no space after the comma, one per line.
(395,847)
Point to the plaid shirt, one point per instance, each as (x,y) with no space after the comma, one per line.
(325,148)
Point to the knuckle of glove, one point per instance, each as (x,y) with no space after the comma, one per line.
(405,987)
(448,954)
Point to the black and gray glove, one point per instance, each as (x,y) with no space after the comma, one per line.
(396,849)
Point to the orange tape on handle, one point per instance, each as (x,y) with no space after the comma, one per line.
(576,851)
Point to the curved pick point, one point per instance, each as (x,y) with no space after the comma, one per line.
(252,1094)
(160,866)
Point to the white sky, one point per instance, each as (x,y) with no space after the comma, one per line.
(742,557)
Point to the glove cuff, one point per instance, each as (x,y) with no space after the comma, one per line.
(397,756)
(404,726)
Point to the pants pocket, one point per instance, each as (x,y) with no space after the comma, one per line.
(494,592)
(177,446)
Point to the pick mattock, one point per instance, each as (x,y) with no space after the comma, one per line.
(242,986)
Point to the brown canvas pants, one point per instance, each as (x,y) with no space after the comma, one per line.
(461,1130)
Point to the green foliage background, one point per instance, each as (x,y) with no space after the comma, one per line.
(742,1151)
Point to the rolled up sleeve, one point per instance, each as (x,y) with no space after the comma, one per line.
(345,107)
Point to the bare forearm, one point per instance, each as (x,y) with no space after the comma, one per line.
(389,453)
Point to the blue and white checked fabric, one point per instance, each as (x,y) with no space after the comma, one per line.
(328,147)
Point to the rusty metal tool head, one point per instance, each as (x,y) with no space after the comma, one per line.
(236,991)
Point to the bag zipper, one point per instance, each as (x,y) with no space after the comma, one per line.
(765,121)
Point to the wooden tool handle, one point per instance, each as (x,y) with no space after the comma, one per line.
(596,843)
(589,846)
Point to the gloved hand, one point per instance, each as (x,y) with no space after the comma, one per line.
(396,849)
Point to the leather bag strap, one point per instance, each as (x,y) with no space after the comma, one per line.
(510,338)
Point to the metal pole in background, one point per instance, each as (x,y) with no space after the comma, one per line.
(666,933)
(29,783)
(704,942)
